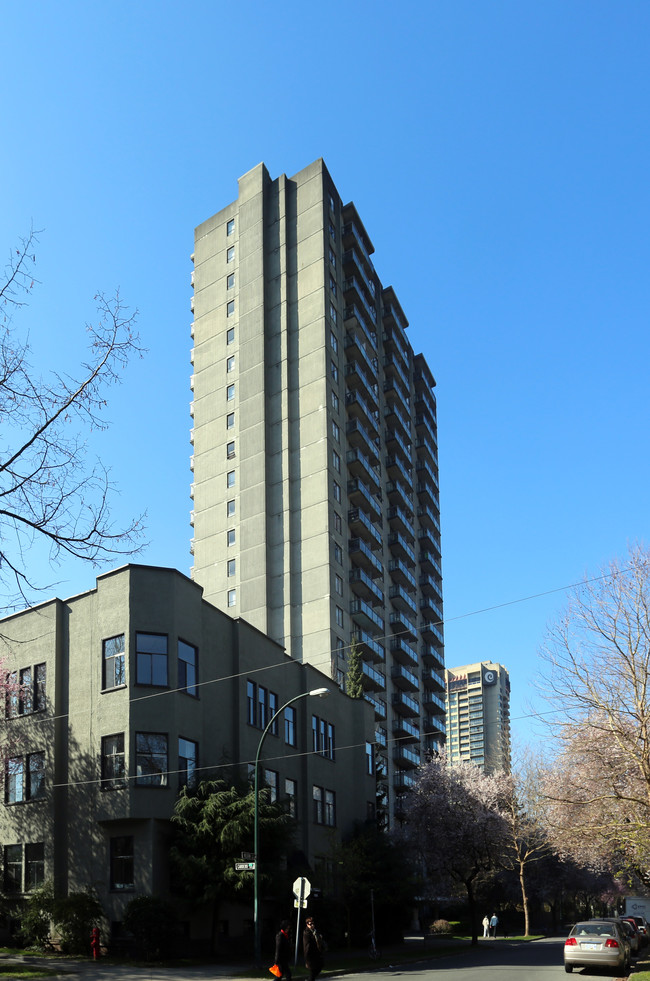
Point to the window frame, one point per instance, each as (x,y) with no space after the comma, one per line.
(154,659)
(113,762)
(188,680)
(118,665)
(143,754)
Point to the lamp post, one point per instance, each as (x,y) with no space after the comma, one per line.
(322,693)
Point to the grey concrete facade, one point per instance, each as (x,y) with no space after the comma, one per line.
(315,462)
(131,689)
(478,715)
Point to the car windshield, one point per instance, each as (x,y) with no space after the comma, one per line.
(594,930)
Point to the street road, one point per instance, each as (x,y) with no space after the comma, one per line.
(540,960)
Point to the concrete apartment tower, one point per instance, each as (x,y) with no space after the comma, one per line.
(478,715)
(315,465)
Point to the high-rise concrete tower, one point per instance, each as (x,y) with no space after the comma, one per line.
(478,715)
(316,509)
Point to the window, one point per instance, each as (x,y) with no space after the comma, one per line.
(230,450)
(323,741)
(230,335)
(25,778)
(370,758)
(291,794)
(317,798)
(230,226)
(331,203)
(336,431)
(230,393)
(251,703)
(338,553)
(230,478)
(332,231)
(230,509)
(230,420)
(332,285)
(339,616)
(114,675)
(12,706)
(333,313)
(230,281)
(231,537)
(330,809)
(230,363)
(34,865)
(231,568)
(230,308)
(151,659)
(336,461)
(25,691)
(232,597)
(121,857)
(113,762)
(13,868)
(262,705)
(338,586)
(334,342)
(337,522)
(290,725)
(334,371)
(230,254)
(337,492)
(188,663)
(151,759)
(332,255)
(188,754)
(272,781)
(335,401)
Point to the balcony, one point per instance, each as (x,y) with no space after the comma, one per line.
(356,296)
(360,524)
(395,391)
(424,471)
(428,541)
(360,494)
(426,407)
(404,780)
(393,316)
(402,601)
(378,704)
(401,549)
(406,756)
(397,467)
(358,408)
(381,736)
(433,703)
(394,417)
(354,267)
(355,348)
(424,426)
(360,466)
(359,380)
(360,438)
(368,646)
(362,585)
(403,678)
(431,586)
(402,651)
(427,447)
(405,731)
(354,235)
(428,562)
(431,611)
(432,724)
(373,680)
(433,679)
(393,368)
(432,657)
(431,631)
(428,518)
(399,447)
(405,705)
(363,556)
(400,492)
(401,574)
(399,521)
(365,617)
(402,626)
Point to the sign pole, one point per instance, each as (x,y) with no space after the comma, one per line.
(300,902)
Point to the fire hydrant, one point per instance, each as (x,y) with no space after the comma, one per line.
(95,944)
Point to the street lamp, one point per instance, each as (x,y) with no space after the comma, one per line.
(322,693)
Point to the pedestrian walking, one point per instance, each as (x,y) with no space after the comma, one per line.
(313,948)
(283,949)
(486,925)
(494,922)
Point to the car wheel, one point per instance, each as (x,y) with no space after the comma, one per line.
(568,968)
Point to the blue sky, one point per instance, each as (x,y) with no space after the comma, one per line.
(498,155)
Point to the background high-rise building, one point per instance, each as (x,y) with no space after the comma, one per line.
(478,715)
(315,460)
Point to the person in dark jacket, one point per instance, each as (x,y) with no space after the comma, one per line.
(283,949)
(313,947)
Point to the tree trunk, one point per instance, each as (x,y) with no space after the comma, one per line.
(471,903)
(524,898)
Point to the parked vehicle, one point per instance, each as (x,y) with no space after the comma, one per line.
(597,943)
(629,930)
(643,928)
(641,940)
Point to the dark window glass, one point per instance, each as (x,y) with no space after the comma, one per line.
(34,865)
(290,726)
(188,752)
(40,674)
(151,650)
(36,774)
(272,709)
(26,692)
(330,809)
(13,868)
(113,761)
(151,759)
(251,699)
(13,699)
(15,780)
(114,673)
(122,862)
(317,795)
(291,792)
(187,668)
